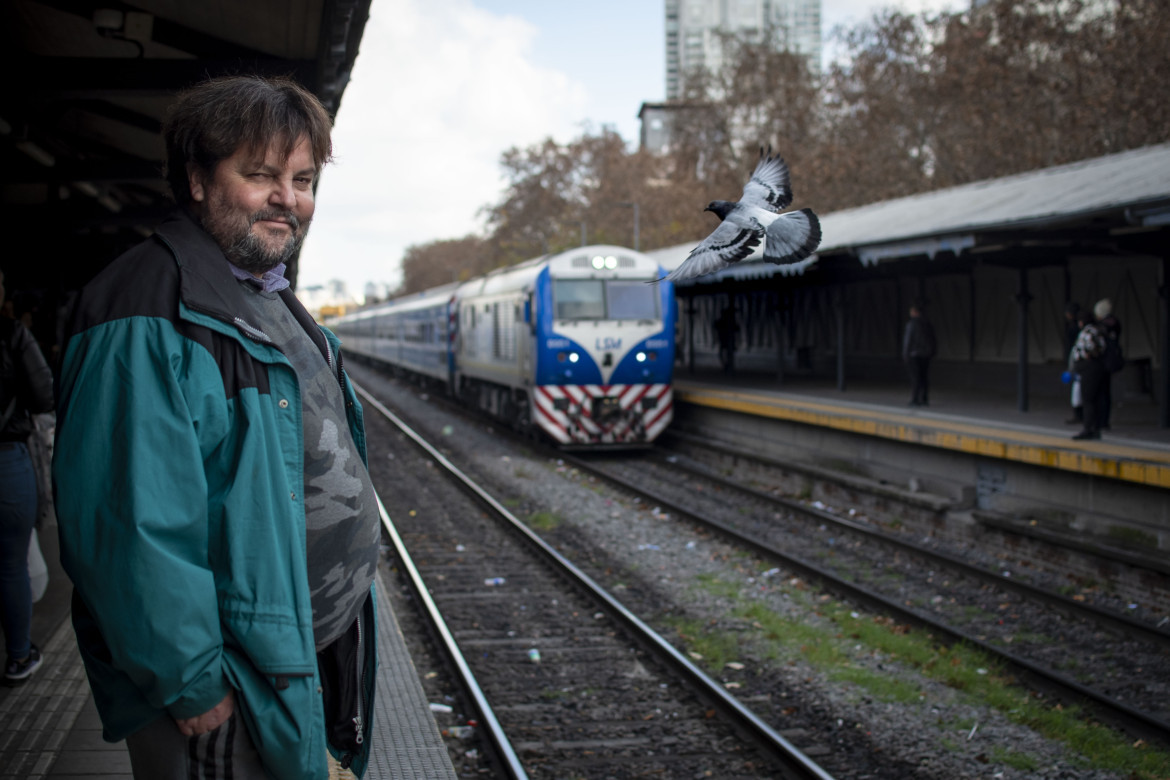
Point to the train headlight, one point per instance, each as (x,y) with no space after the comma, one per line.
(611,262)
(599,262)
(561,357)
(574,357)
(640,357)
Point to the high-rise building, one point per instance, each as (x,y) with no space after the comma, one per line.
(692,28)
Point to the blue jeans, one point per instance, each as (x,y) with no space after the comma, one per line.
(18,514)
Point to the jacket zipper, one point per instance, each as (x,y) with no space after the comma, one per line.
(360,671)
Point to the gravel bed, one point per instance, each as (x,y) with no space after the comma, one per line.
(654,563)
(1134,671)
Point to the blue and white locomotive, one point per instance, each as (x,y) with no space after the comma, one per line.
(575,344)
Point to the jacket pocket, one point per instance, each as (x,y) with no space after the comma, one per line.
(274,644)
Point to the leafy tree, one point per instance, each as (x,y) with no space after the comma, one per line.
(917,102)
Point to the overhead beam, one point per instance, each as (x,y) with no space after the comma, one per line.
(124,169)
(95,78)
(164,31)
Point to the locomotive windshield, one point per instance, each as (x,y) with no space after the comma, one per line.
(631,300)
(593,299)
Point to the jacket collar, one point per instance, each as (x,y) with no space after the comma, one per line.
(208,286)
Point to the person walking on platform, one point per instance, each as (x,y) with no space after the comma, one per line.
(1111,358)
(26,388)
(216,516)
(918,347)
(1087,363)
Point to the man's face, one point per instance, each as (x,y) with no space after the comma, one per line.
(256,208)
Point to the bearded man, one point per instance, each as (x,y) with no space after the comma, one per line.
(215,513)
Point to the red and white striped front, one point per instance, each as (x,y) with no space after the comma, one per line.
(637,414)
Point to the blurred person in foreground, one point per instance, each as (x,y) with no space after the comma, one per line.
(26,388)
(216,516)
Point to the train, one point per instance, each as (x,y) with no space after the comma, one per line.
(578,345)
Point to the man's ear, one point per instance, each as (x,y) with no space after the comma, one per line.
(196,180)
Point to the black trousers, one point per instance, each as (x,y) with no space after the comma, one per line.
(919,368)
(1093,381)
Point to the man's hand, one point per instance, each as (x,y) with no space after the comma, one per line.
(208,721)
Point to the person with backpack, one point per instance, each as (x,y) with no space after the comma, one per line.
(1087,360)
(1112,359)
(26,388)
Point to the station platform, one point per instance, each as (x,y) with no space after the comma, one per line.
(1135,449)
(49,727)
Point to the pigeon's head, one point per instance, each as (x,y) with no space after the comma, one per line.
(721,208)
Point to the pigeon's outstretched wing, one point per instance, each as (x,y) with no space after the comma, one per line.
(769,188)
(792,237)
(728,244)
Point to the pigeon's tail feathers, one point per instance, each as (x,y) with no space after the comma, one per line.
(792,237)
(658,281)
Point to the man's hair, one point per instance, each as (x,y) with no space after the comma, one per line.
(212,120)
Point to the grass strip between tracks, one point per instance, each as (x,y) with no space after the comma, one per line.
(830,647)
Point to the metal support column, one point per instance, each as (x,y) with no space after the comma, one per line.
(781,337)
(1164,351)
(691,334)
(1023,298)
(971,321)
(841,338)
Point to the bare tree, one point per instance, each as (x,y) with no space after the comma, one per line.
(440,262)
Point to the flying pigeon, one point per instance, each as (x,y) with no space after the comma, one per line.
(788,238)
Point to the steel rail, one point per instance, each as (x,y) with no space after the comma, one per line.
(487,717)
(1139,722)
(1123,623)
(788,755)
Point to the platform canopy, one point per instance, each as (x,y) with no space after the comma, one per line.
(87,85)
(1099,200)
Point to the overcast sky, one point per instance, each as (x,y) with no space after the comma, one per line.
(442,87)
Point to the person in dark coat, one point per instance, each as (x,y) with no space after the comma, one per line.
(918,347)
(26,388)
(1072,329)
(726,330)
(1086,359)
(1110,328)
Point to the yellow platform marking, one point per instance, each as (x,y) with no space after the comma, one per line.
(1104,459)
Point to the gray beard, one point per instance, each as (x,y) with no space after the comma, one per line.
(244,249)
(248,252)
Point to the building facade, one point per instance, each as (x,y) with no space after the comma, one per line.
(693,28)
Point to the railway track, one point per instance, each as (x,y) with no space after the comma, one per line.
(565,681)
(1074,651)
(946,744)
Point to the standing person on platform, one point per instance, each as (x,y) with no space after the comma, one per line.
(726,330)
(216,516)
(26,388)
(1086,359)
(1111,358)
(918,347)
(1072,329)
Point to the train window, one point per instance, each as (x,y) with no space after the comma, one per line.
(578,299)
(631,300)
